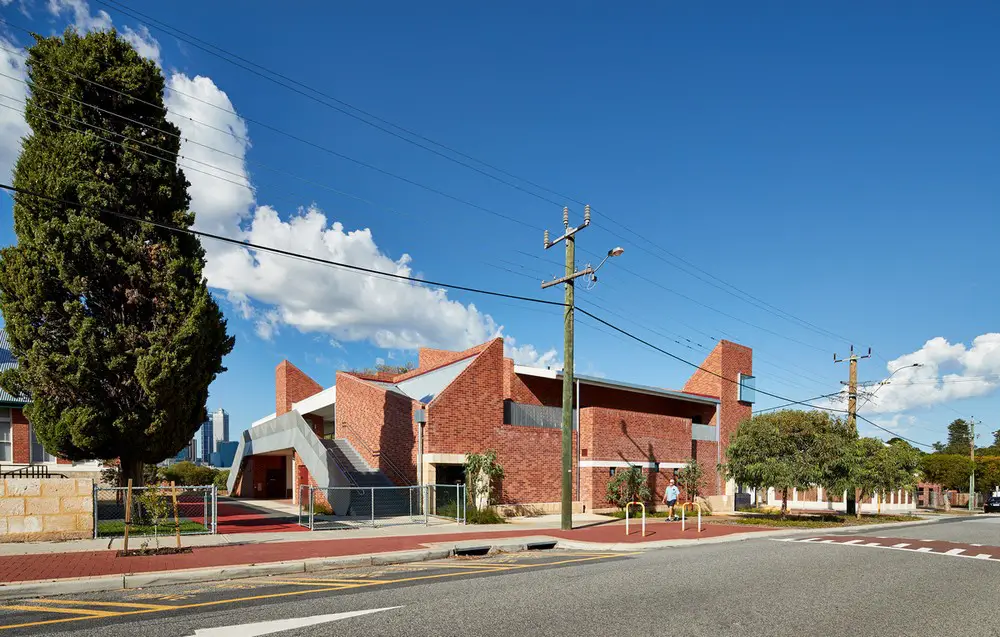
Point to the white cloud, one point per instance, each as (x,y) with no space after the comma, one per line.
(379,360)
(12,125)
(339,303)
(527,354)
(143,42)
(947,372)
(83,20)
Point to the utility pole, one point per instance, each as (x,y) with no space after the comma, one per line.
(972,456)
(568,236)
(852,408)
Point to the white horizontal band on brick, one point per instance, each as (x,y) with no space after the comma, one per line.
(625,465)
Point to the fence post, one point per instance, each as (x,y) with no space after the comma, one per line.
(410,498)
(215,510)
(128,512)
(312,509)
(373,507)
(95,510)
(177,521)
(425,497)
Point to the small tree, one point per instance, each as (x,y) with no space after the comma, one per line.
(951,471)
(628,486)
(222,480)
(784,450)
(482,476)
(883,468)
(155,508)
(987,474)
(690,477)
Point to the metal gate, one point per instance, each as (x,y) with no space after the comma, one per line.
(154,510)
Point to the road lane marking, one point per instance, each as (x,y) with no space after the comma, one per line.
(983,556)
(954,551)
(809,539)
(257,629)
(901,545)
(88,602)
(827,541)
(73,611)
(322,589)
(873,544)
(975,545)
(924,549)
(853,542)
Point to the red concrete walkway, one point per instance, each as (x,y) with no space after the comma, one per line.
(95,563)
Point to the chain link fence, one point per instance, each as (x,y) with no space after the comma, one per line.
(348,507)
(153,511)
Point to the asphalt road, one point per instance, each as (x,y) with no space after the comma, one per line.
(895,583)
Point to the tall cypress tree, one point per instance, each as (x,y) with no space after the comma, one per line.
(111,321)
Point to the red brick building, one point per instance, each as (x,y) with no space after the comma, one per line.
(416,427)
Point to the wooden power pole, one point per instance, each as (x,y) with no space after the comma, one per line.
(852,407)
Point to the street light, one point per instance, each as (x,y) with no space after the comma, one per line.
(885,381)
(613,252)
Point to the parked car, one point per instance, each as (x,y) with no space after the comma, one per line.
(992,505)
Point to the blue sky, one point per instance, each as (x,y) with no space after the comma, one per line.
(836,163)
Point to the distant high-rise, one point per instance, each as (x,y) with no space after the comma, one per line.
(205,440)
(220,427)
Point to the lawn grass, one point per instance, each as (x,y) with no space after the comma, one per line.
(819,521)
(116,528)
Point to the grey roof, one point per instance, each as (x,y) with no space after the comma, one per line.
(7,361)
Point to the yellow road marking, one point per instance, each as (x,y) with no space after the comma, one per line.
(218,602)
(310,582)
(88,602)
(74,611)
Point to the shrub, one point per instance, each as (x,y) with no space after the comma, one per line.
(189,474)
(484,516)
(628,486)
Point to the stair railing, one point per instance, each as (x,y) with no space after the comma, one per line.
(404,480)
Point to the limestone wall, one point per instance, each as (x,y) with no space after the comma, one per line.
(33,509)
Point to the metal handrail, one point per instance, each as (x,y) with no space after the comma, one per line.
(32,471)
(378,454)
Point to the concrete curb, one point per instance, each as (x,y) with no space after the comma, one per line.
(74,586)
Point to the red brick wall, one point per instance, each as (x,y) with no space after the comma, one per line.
(428,358)
(465,416)
(20,433)
(728,359)
(292,385)
(379,424)
(531,458)
(634,436)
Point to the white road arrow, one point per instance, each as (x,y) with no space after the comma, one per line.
(279,625)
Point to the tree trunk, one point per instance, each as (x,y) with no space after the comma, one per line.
(858,494)
(130,468)
(784,502)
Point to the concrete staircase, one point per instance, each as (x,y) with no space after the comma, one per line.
(388,502)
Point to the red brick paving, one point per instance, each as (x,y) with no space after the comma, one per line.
(95,563)
(234,518)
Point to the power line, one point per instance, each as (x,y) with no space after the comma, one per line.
(287,253)
(763,411)
(372,272)
(874,424)
(229,133)
(292,84)
(405,180)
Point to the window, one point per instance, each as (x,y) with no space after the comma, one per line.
(5,443)
(748,386)
(38,453)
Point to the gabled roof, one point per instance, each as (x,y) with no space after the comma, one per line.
(7,361)
(616,384)
(425,386)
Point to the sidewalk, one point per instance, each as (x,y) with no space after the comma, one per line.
(92,558)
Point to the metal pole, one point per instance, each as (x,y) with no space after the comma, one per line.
(972,456)
(373,507)
(312,510)
(424,497)
(95,511)
(215,510)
